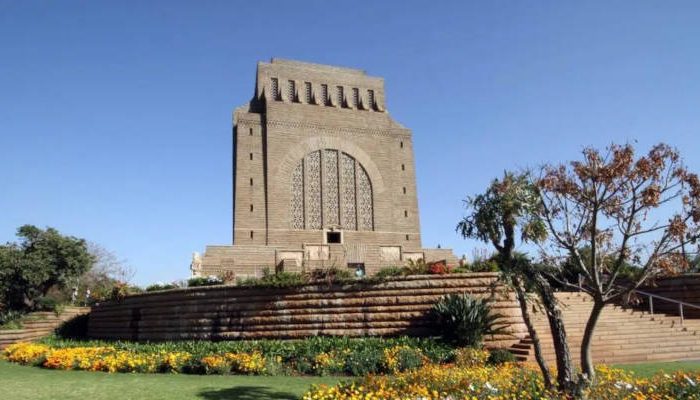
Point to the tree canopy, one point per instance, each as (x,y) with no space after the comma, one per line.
(42,259)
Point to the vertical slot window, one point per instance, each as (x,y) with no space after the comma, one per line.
(307,92)
(370,99)
(356,98)
(291,91)
(275,87)
(341,96)
(324,94)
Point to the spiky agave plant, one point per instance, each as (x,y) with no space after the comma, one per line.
(466,320)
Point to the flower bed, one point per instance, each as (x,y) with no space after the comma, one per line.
(504,382)
(314,356)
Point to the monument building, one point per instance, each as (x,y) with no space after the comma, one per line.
(322,177)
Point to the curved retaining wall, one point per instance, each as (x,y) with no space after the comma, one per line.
(396,307)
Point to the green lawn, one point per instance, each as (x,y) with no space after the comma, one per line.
(649,369)
(23,382)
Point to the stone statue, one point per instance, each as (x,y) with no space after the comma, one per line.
(196,264)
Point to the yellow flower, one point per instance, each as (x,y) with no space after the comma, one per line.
(25,353)
(253,363)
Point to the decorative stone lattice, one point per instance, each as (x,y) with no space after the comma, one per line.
(297,210)
(330,187)
(313,190)
(347,179)
(365,213)
(331,207)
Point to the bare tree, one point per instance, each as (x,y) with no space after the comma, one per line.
(108,264)
(623,210)
(106,271)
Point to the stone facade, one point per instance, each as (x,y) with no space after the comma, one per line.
(322,177)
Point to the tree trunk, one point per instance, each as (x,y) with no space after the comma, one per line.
(586,359)
(565,370)
(522,301)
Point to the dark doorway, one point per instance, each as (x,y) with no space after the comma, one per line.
(333,237)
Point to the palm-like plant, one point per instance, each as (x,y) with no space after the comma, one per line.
(465,320)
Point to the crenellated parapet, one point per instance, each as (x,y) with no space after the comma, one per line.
(321,85)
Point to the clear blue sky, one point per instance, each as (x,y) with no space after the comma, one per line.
(115,117)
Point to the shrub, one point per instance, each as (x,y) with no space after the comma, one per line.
(363,362)
(46,304)
(418,267)
(488,265)
(468,357)
(465,320)
(387,272)
(402,358)
(119,292)
(275,280)
(331,275)
(216,365)
(500,356)
(11,319)
(161,286)
(438,268)
(204,281)
(329,363)
(250,364)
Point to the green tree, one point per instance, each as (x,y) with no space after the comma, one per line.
(510,208)
(42,259)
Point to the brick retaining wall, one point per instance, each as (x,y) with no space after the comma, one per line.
(391,308)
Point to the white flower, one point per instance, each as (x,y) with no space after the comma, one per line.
(488,386)
(690,381)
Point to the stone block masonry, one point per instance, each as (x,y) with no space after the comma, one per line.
(396,307)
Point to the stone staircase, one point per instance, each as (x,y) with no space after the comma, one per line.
(622,335)
(39,324)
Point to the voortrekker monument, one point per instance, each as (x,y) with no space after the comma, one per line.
(322,177)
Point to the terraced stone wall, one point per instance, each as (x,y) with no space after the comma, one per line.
(396,307)
(39,324)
